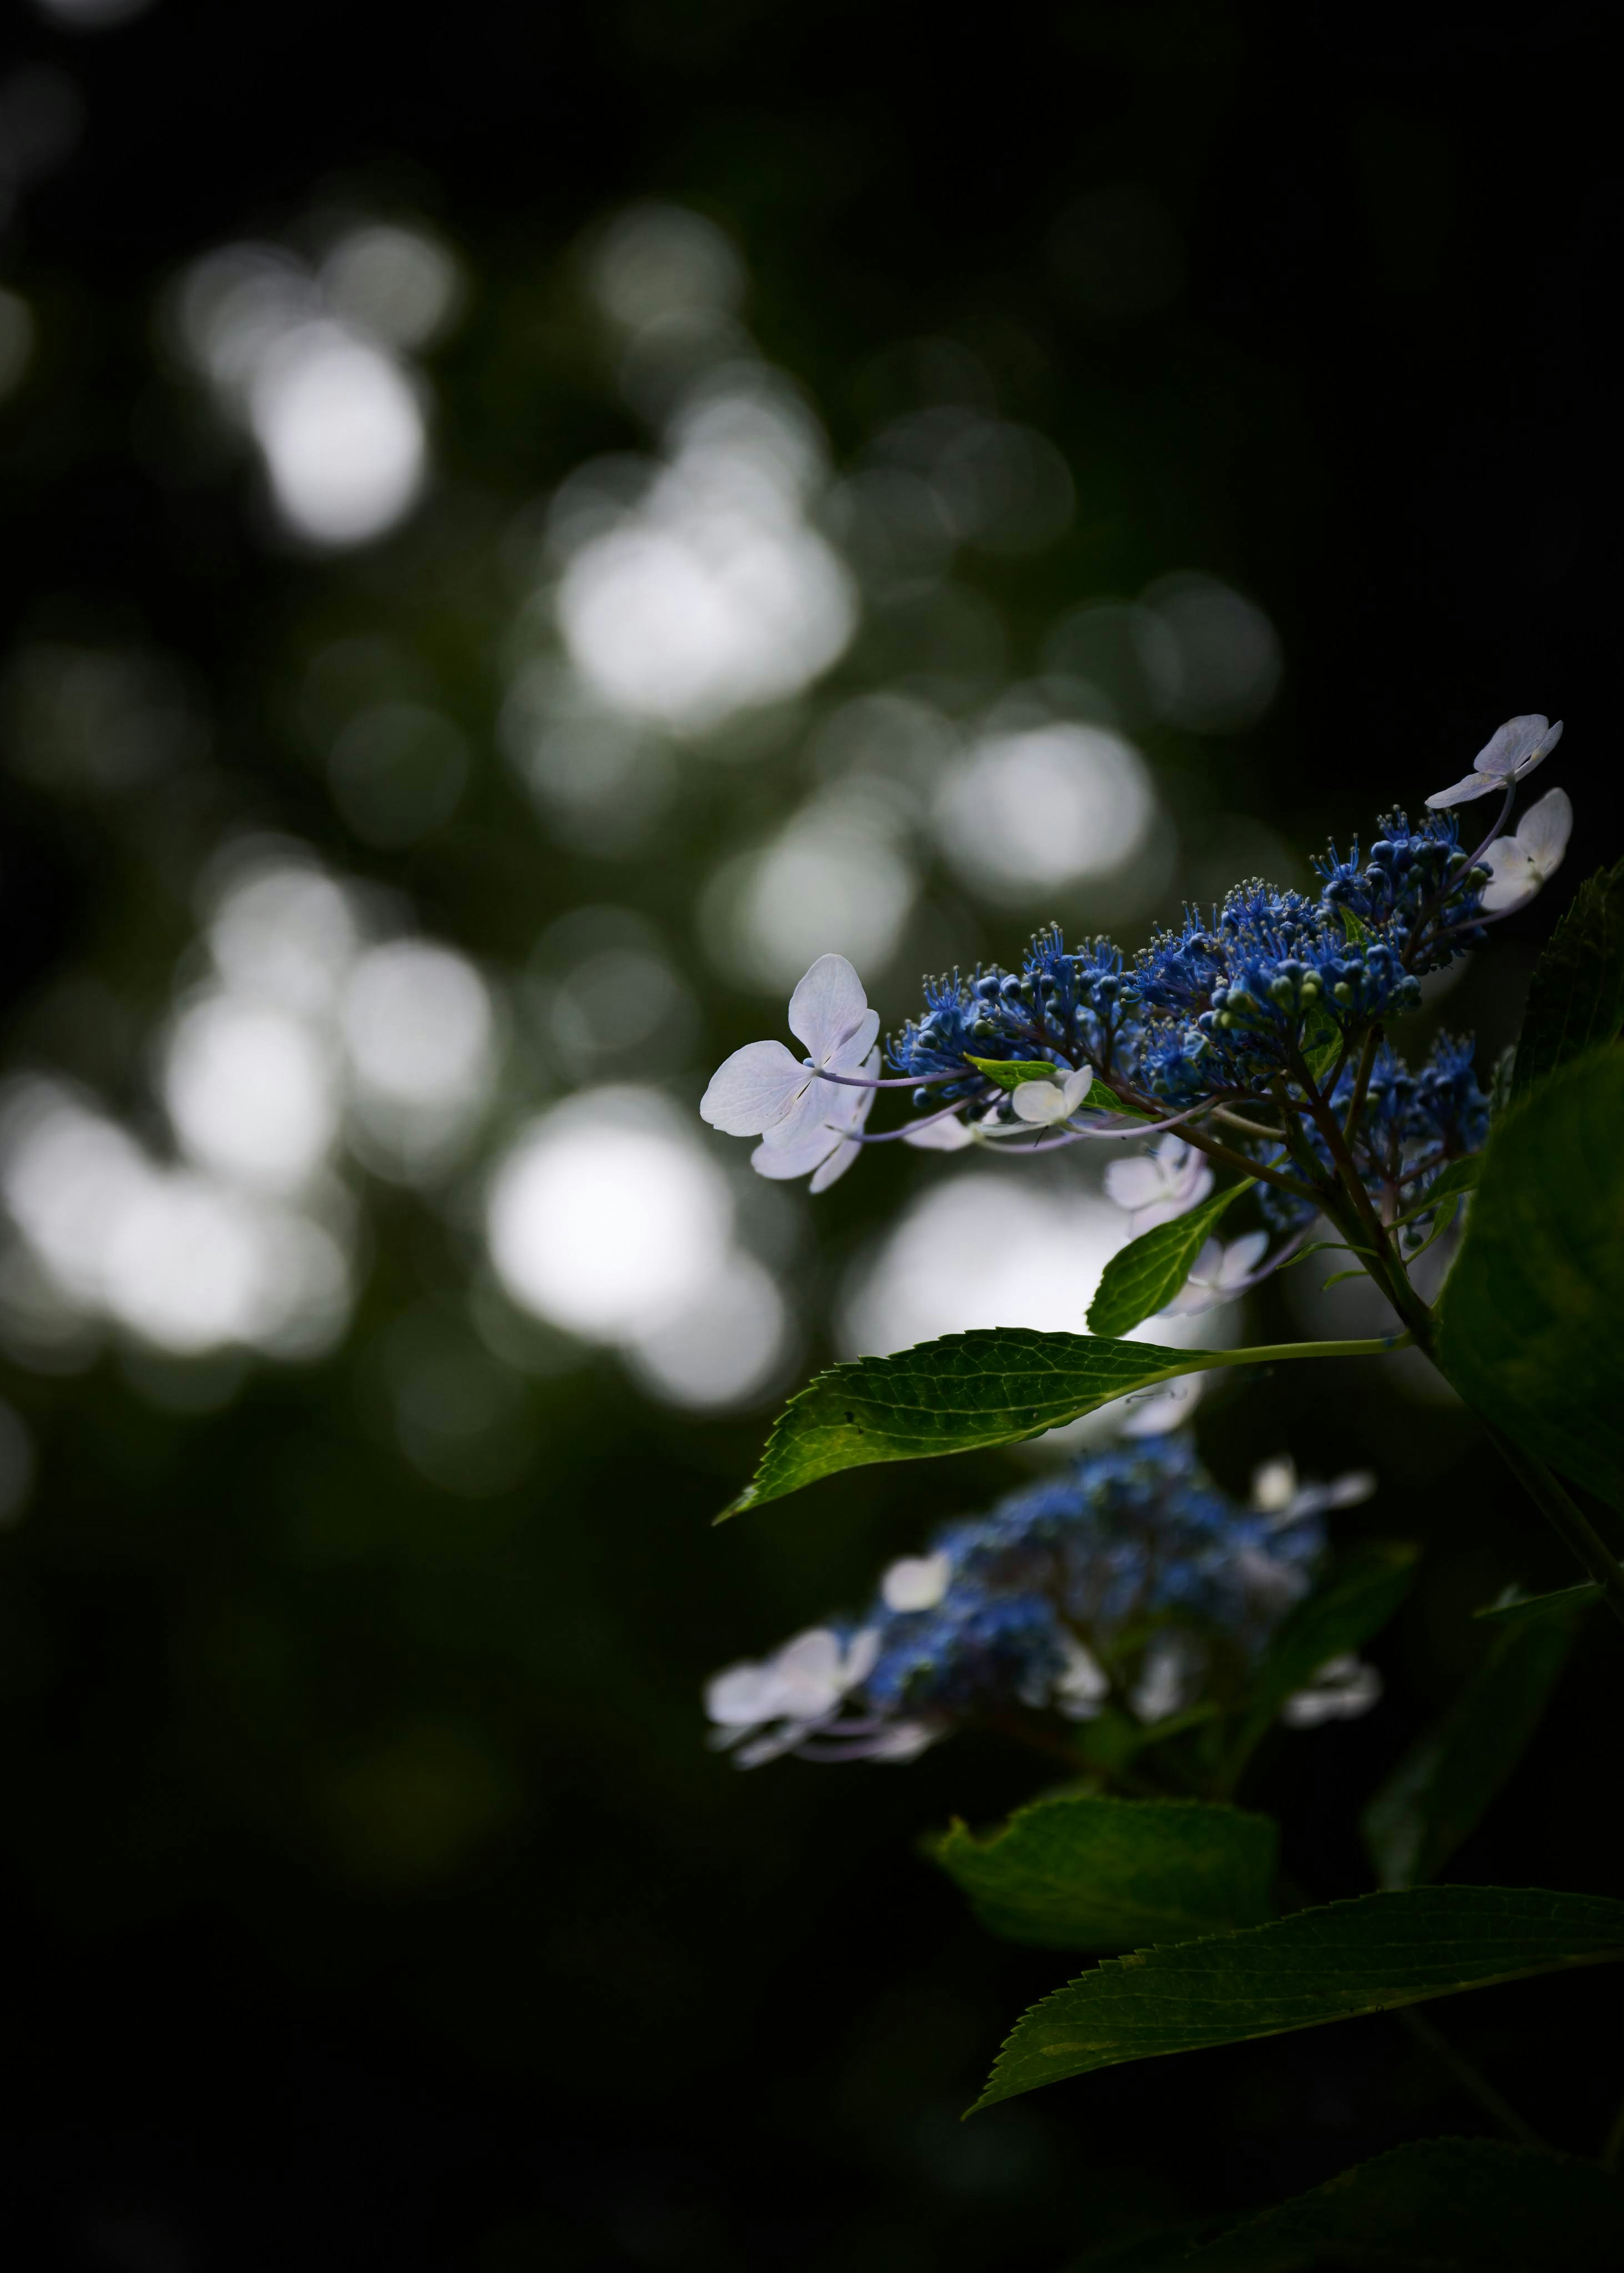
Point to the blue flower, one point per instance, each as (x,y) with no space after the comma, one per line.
(1129,1577)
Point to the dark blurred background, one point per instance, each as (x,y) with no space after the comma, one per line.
(522,529)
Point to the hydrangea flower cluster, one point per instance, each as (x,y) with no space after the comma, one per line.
(1129,1581)
(1247,1028)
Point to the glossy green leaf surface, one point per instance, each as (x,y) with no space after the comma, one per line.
(1532,1326)
(1327,1964)
(1440,1789)
(1352,1603)
(1150,1270)
(955,1395)
(1103,1874)
(1437,2206)
(1576,997)
(1009,1073)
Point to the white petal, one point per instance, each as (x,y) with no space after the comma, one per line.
(861,1655)
(1342,1689)
(834,1167)
(1462,792)
(1274,1485)
(1042,1103)
(810,1671)
(782,1164)
(1136,1183)
(1082,1687)
(1545,829)
(828,1007)
(905,1740)
(742,1695)
(1513,878)
(1516,746)
(947,1135)
(1075,1087)
(752,1090)
(917,1582)
(1241,1258)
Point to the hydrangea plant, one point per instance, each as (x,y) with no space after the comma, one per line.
(1128,1617)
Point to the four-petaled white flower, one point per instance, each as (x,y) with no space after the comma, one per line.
(779,1702)
(1520,863)
(1159,1185)
(1044,1103)
(917,1582)
(1510,754)
(1218,1274)
(1342,1689)
(765,1090)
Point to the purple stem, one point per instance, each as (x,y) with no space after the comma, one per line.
(890,1136)
(1137,1128)
(907,1081)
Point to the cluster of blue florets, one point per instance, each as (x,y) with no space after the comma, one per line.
(1414,884)
(1129,1582)
(1125,1541)
(1070,1007)
(1226,1004)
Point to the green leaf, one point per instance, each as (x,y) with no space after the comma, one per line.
(1354,929)
(1150,1270)
(1327,1964)
(1009,1073)
(1576,997)
(965,1391)
(1532,1328)
(1437,2206)
(1355,1602)
(1442,1787)
(1323,1047)
(1515,1608)
(1460,1176)
(968,1392)
(1093,1873)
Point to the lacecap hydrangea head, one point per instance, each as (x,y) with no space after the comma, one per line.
(1128,1581)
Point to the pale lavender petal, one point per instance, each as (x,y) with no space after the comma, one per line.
(782,1164)
(1135,1183)
(940,1136)
(1462,792)
(753,1090)
(1042,1103)
(1511,746)
(835,1166)
(828,1008)
(1513,877)
(1240,1259)
(1545,829)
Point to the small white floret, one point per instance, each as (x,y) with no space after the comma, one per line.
(1342,1689)
(917,1582)
(1046,1103)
